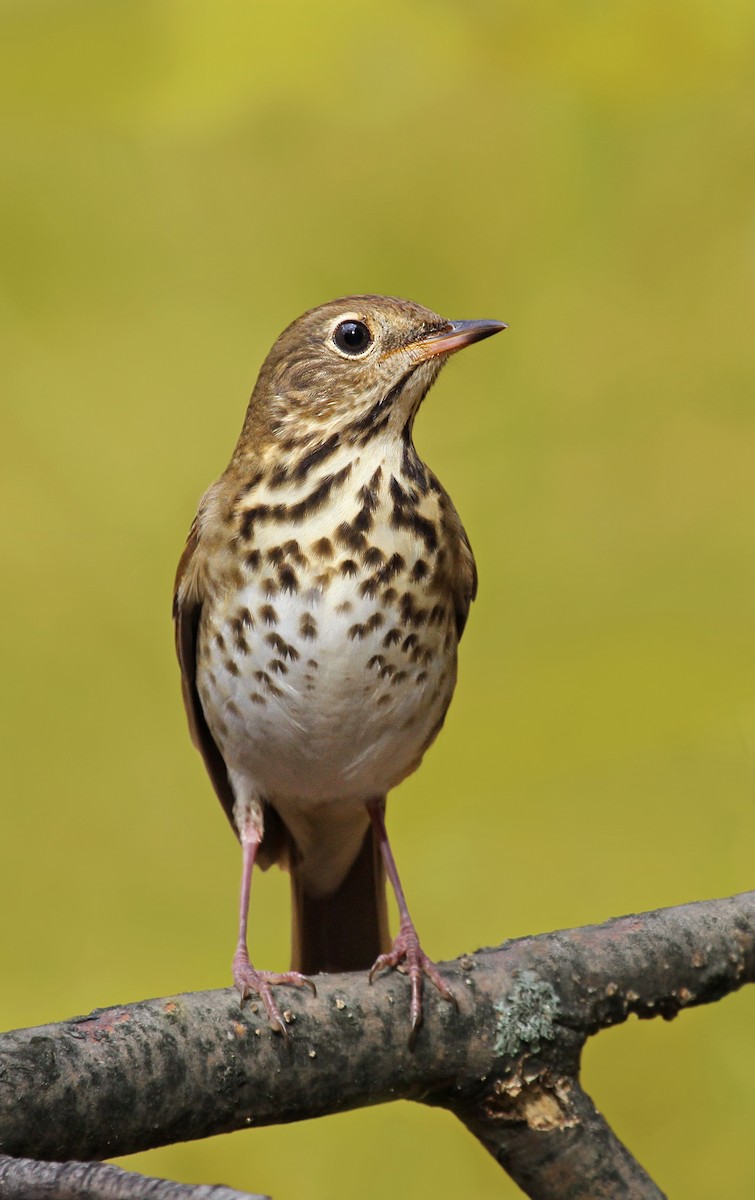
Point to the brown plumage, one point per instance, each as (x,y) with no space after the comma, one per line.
(319,602)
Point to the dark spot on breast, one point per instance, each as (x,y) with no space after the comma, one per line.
(376,620)
(292,513)
(377,427)
(379,411)
(409,611)
(288,579)
(419,570)
(245,618)
(220,641)
(421,677)
(392,637)
(232,708)
(346,607)
(363,521)
(368,495)
(405,514)
(373,556)
(230,666)
(377,660)
(395,564)
(356,631)
(294,551)
(383,575)
(409,518)
(307,626)
(323,547)
(398,677)
(409,642)
(239,626)
(317,497)
(268,615)
(278,477)
(277,666)
(269,586)
(389,595)
(399,496)
(378,416)
(351,538)
(248,517)
(348,568)
(317,455)
(406,606)
(282,648)
(413,468)
(253,560)
(313,663)
(256,698)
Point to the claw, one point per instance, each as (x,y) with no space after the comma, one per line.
(406,948)
(414,1031)
(248,979)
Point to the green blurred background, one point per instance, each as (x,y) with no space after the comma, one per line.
(179,180)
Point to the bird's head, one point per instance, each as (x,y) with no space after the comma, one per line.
(353,368)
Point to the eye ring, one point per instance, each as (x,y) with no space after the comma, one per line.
(352,338)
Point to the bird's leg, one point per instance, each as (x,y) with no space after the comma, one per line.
(246,977)
(406,947)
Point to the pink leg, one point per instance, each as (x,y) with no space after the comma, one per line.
(246,978)
(406,946)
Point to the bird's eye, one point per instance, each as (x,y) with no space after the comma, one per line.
(352,337)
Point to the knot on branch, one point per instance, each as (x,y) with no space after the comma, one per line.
(542,1102)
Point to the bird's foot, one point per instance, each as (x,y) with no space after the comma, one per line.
(248,980)
(406,949)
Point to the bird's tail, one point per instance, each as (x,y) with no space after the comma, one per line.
(347,930)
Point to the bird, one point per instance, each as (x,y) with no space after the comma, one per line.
(318,607)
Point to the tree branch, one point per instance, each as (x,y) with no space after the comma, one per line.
(507,1064)
(28,1179)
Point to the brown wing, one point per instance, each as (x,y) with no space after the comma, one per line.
(187,610)
(464,577)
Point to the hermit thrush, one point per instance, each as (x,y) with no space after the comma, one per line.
(318,606)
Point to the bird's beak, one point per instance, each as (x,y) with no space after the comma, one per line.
(455,336)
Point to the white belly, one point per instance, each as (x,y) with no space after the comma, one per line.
(328,696)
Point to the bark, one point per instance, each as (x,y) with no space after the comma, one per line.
(28,1179)
(507,1063)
